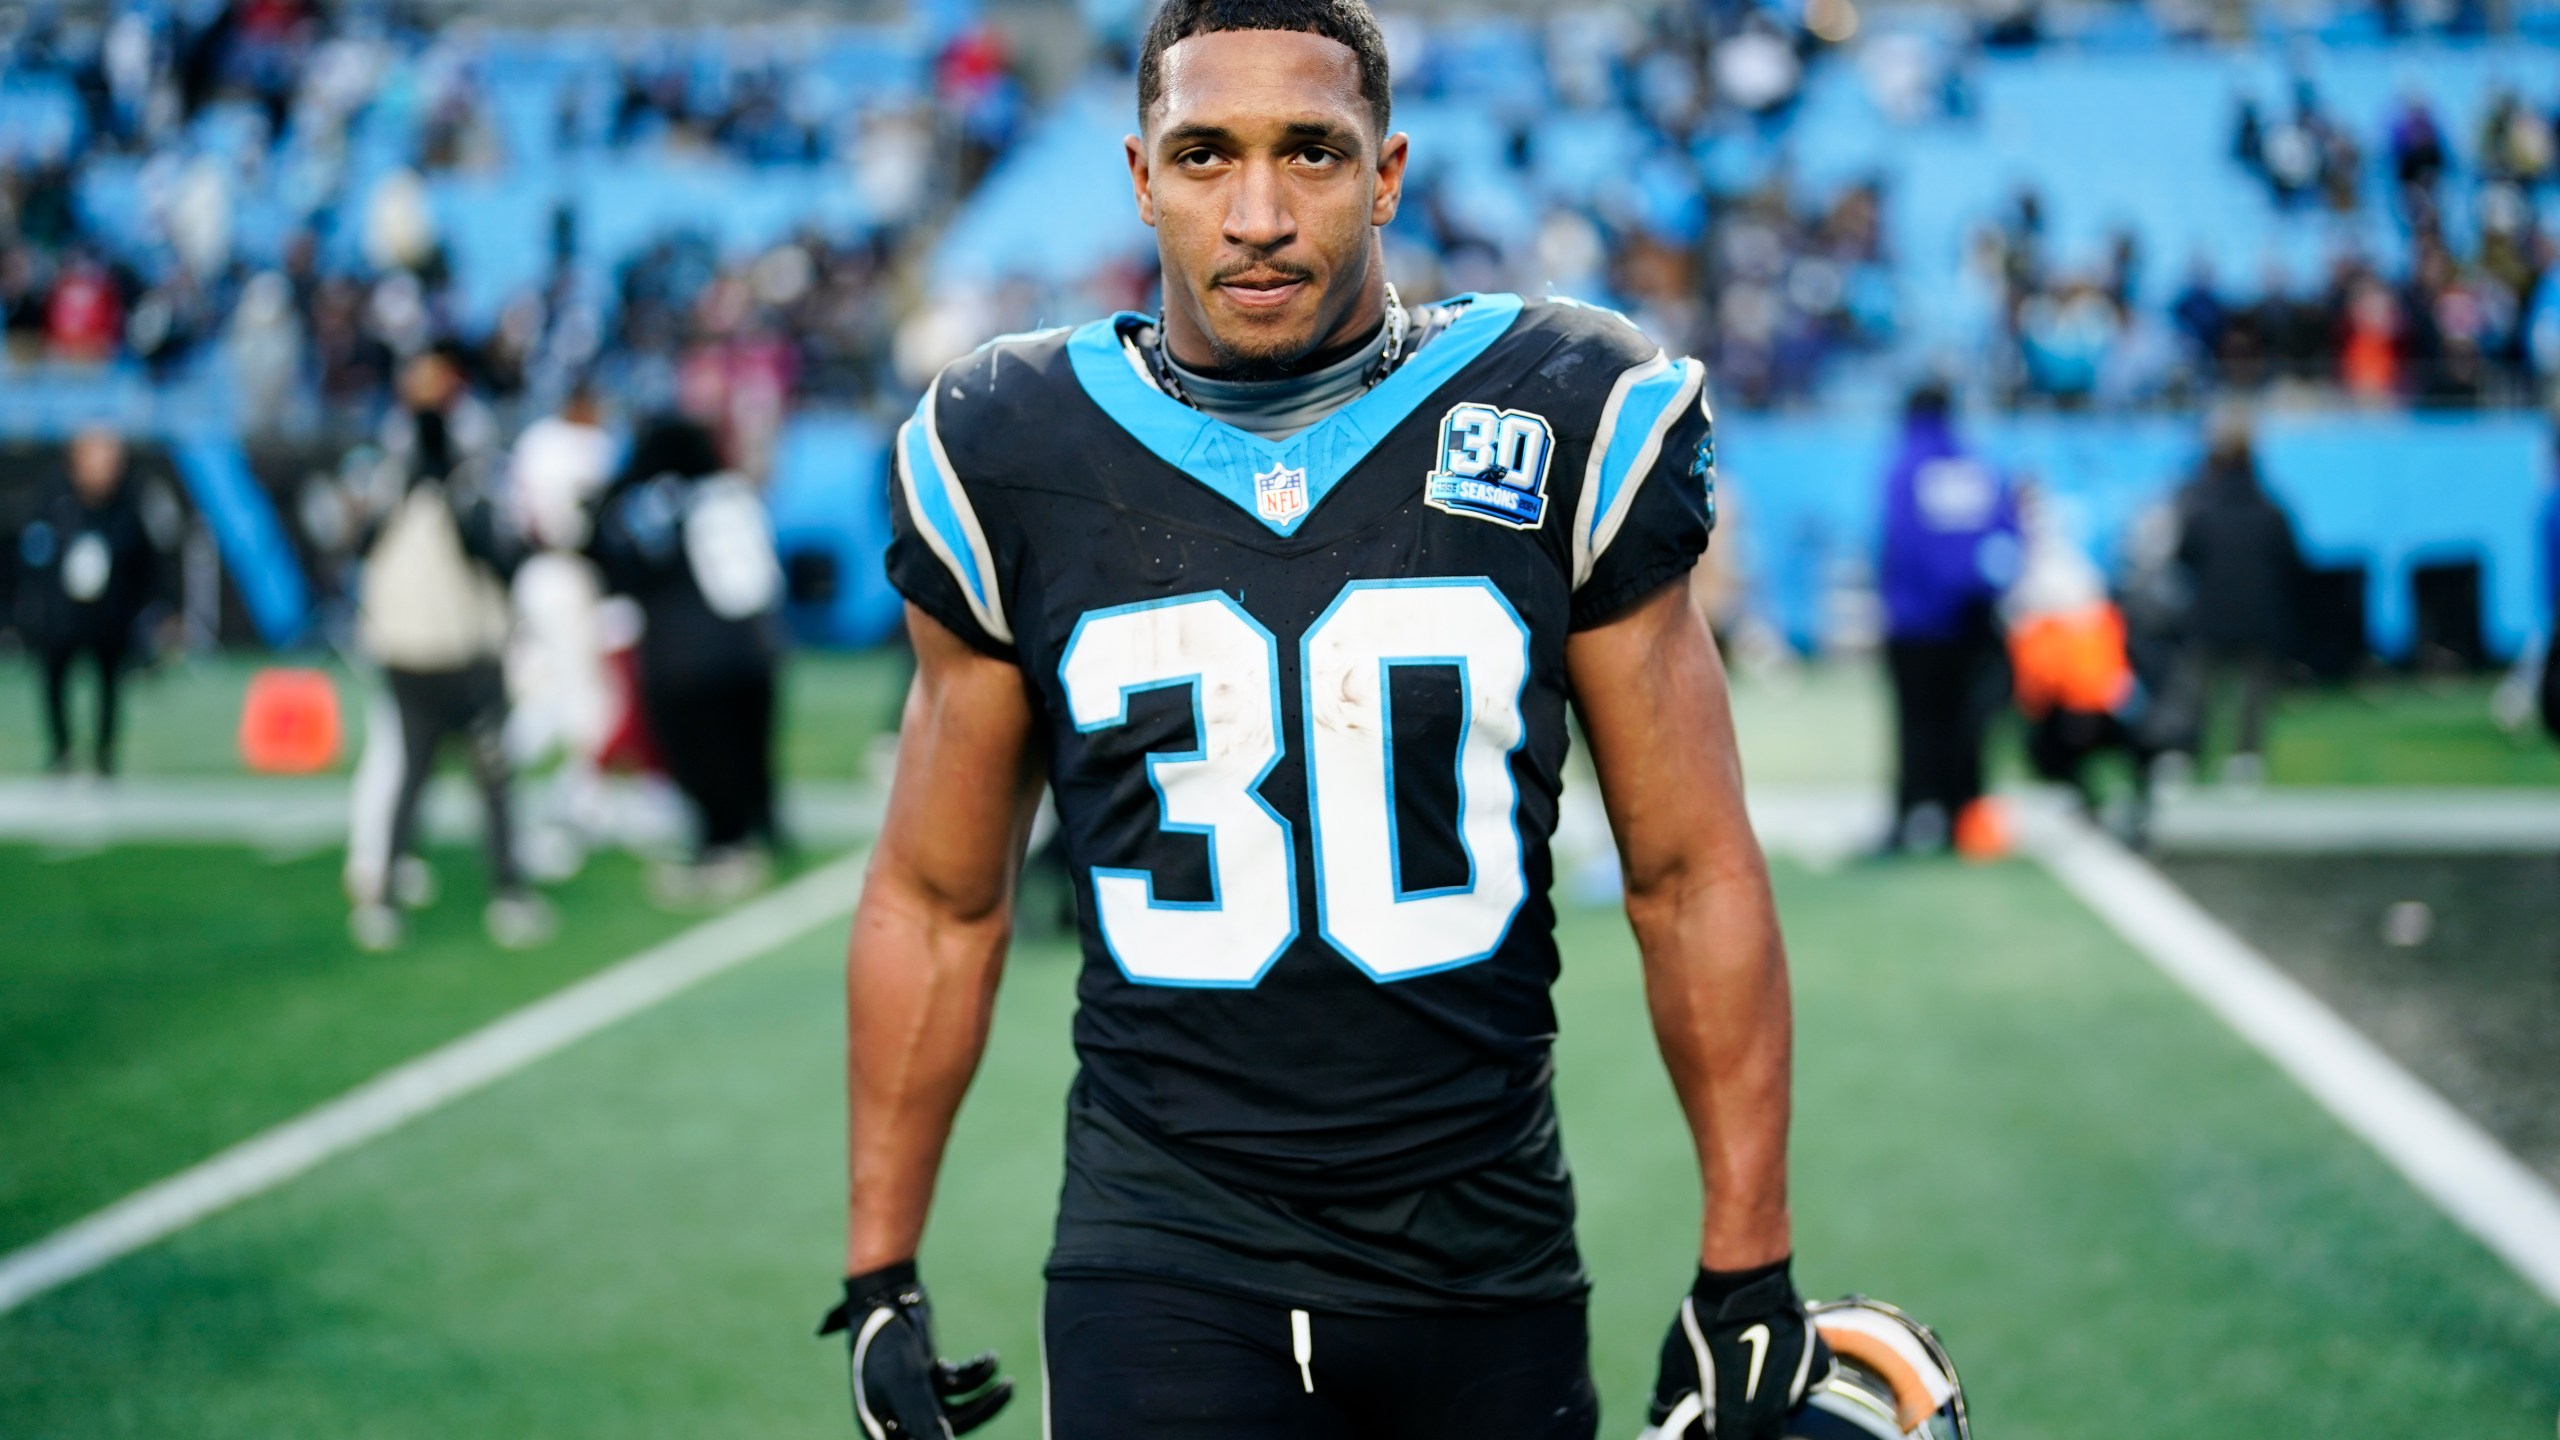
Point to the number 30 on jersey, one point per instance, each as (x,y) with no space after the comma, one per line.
(1231,665)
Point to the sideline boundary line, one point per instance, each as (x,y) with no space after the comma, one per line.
(442,1075)
(2453,1162)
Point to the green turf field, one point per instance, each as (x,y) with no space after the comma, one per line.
(2124,1221)
(164,1002)
(1816,723)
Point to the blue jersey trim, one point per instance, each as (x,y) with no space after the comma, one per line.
(933,497)
(1225,459)
(1637,416)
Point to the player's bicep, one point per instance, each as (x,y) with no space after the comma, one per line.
(1651,692)
(967,780)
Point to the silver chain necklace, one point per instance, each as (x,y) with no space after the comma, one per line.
(1399,327)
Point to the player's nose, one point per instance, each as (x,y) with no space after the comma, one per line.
(1258,216)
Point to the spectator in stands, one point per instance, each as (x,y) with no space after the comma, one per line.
(2417,144)
(1950,533)
(2243,567)
(84,316)
(2064,335)
(2516,142)
(2201,315)
(687,538)
(87,572)
(2369,340)
(432,612)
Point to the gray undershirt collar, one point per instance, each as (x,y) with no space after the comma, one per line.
(1278,409)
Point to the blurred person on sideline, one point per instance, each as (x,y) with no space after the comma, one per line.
(2243,566)
(2075,682)
(87,566)
(688,538)
(564,701)
(1950,548)
(2551,596)
(432,612)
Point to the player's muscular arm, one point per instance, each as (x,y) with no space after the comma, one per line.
(1651,691)
(930,936)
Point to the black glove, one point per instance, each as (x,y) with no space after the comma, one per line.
(900,1388)
(1740,1355)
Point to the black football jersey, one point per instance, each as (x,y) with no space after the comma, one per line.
(1305,712)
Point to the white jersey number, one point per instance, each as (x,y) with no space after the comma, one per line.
(1232,667)
(1230,663)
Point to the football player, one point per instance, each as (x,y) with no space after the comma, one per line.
(1284,593)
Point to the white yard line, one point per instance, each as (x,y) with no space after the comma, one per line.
(433,1080)
(290,813)
(2357,820)
(2450,1160)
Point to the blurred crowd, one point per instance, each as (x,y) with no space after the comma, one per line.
(1639,160)
(2470,317)
(222,197)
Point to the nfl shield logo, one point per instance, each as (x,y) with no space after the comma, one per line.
(1281,493)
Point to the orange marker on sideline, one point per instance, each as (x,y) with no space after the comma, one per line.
(289,722)
(1982,830)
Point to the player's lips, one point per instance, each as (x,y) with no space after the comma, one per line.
(1262,292)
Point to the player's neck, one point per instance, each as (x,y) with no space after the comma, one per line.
(1188,343)
(1325,357)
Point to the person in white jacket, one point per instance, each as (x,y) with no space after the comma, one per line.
(432,612)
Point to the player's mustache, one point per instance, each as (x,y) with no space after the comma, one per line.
(1266,272)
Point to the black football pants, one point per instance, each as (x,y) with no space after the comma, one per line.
(717,738)
(1130,1359)
(57,662)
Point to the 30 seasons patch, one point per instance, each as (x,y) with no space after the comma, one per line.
(1493,465)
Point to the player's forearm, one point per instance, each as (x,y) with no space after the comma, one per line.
(919,990)
(1716,981)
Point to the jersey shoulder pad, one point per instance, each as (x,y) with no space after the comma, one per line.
(950,464)
(979,402)
(1587,346)
(1640,411)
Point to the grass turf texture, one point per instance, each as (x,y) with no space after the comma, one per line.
(1820,724)
(2124,1222)
(162,1003)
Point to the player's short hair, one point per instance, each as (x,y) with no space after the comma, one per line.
(1346,21)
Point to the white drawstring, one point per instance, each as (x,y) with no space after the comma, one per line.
(1302,1344)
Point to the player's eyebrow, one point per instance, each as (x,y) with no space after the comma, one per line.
(1196,133)
(1199,132)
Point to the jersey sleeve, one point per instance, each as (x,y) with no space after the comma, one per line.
(1648,492)
(939,555)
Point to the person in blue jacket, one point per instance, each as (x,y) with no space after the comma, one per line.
(1950,549)
(2551,597)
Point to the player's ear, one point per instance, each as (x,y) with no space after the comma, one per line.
(1135,148)
(1391,158)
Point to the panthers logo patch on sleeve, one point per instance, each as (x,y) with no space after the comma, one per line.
(1493,465)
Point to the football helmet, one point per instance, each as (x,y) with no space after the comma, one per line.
(1894,1381)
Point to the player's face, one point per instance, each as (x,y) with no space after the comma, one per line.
(1264,177)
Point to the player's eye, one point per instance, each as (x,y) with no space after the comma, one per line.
(1318,157)
(1198,159)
